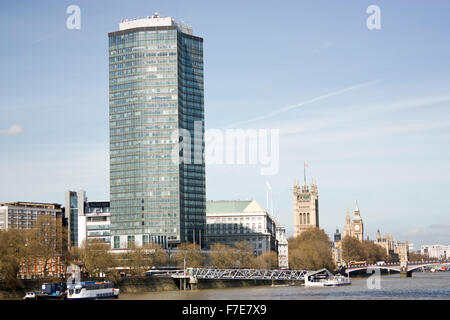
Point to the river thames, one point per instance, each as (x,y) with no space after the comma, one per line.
(426,286)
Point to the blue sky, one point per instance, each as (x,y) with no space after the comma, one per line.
(377,131)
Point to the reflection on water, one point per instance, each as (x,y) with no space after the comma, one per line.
(420,286)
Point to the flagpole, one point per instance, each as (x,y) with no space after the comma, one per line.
(304,171)
(271,202)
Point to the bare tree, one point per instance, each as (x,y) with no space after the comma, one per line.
(45,242)
(222,256)
(267,260)
(95,258)
(192,253)
(12,253)
(245,257)
(311,250)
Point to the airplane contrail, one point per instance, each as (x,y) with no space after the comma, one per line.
(301,104)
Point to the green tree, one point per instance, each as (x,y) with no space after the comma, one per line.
(311,250)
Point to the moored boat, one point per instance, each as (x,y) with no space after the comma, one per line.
(30,295)
(92,290)
(49,291)
(337,281)
(324,278)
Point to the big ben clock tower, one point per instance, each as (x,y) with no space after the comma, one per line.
(357,224)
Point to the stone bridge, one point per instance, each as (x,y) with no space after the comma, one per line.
(404,269)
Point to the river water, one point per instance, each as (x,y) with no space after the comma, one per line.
(420,286)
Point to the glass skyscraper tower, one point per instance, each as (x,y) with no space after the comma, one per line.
(157,170)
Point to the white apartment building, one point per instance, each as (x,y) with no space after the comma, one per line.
(282,246)
(436,251)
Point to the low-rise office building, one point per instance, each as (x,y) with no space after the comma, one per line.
(22,215)
(87,220)
(98,221)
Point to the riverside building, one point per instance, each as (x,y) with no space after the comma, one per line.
(22,215)
(87,220)
(229,222)
(305,207)
(436,251)
(354,227)
(156,99)
(282,246)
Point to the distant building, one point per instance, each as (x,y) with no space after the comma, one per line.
(75,208)
(306,207)
(354,227)
(55,268)
(438,251)
(282,245)
(87,220)
(337,248)
(98,221)
(386,241)
(22,215)
(337,236)
(229,222)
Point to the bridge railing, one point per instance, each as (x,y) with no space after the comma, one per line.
(244,274)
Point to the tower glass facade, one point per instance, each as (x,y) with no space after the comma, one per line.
(156,95)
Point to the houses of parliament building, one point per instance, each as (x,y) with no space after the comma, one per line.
(306,207)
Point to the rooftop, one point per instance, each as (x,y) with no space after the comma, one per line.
(153,21)
(233,206)
(32,205)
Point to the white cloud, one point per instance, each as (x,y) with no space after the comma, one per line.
(14,129)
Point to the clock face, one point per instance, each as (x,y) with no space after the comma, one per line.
(357,228)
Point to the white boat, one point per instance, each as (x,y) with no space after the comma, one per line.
(30,296)
(337,281)
(314,279)
(92,290)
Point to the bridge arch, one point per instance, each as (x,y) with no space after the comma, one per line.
(412,266)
